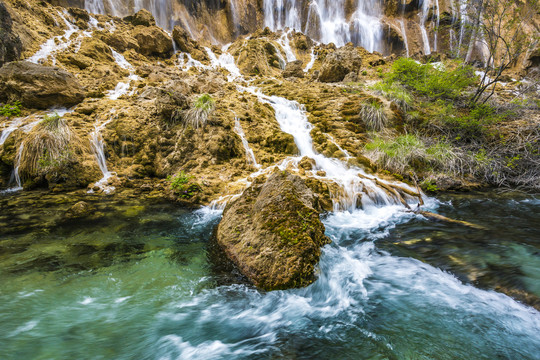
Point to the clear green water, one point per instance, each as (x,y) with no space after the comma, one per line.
(137,281)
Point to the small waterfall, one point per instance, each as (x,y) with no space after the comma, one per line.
(225,61)
(422,24)
(98,145)
(328,21)
(249,151)
(436,32)
(14,125)
(15,177)
(358,189)
(186,62)
(286,45)
(404,33)
(311,62)
(122,87)
(55,44)
(464,19)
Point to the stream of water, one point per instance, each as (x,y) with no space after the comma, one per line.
(138,281)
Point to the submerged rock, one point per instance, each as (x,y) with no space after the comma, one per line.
(39,87)
(79,210)
(273,232)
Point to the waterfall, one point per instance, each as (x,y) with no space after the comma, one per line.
(328,21)
(55,44)
(404,33)
(285,44)
(14,125)
(249,151)
(122,87)
(15,177)
(358,188)
(422,24)
(225,60)
(311,62)
(98,145)
(436,33)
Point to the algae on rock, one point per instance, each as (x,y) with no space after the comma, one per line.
(273,233)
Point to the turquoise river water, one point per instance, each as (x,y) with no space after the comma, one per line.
(139,280)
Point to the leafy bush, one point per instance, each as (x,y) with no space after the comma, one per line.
(407,152)
(394,92)
(10,110)
(197,115)
(183,186)
(429,80)
(476,123)
(372,113)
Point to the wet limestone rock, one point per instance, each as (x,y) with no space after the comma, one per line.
(153,41)
(39,87)
(142,17)
(186,44)
(339,63)
(10,44)
(273,232)
(294,69)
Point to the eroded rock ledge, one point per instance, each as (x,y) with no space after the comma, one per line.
(273,233)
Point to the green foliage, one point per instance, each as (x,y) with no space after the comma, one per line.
(407,152)
(429,186)
(372,113)
(204,102)
(394,92)
(183,185)
(476,123)
(427,80)
(10,110)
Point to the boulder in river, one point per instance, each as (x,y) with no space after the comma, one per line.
(273,233)
(39,87)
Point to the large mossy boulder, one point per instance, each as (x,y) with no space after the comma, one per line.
(339,63)
(39,87)
(10,44)
(153,41)
(273,233)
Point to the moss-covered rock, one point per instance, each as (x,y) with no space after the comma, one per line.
(273,232)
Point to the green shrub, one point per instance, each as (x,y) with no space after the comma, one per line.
(476,123)
(430,81)
(183,186)
(394,92)
(408,152)
(10,110)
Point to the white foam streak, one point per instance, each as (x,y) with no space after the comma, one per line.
(97,143)
(55,44)
(249,152)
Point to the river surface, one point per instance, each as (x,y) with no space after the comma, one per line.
(138,280)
